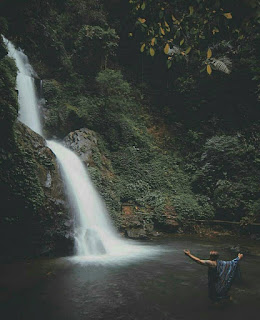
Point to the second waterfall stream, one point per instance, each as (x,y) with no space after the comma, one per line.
(95,237)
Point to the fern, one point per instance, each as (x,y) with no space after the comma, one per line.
(222,64)
(174,50)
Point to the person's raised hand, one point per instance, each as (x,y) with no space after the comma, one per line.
(187,252)
(240,256)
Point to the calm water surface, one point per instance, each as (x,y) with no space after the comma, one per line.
(167,285)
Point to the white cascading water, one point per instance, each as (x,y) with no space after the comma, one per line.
(29,112)
(95,236)
(94,233)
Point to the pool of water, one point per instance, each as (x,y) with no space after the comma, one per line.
(164,285)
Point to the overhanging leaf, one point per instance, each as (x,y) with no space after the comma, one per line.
(141,20)
(228,15)
(162,31)
(166,48)
(188,50)
(209,53)
(209,70)
(152,52)
(175,21)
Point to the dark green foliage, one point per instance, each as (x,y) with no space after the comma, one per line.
(229,176)
(154,180)
(63,112)
(93,47)
(111,84)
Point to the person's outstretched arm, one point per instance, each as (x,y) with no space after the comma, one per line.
(198,260)
(239,257)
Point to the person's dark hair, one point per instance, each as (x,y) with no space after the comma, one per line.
(213,255)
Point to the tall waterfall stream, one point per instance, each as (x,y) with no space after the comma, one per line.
(95,236)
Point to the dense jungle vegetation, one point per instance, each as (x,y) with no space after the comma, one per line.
(171,88)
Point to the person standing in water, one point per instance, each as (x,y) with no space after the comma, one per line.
(220,274)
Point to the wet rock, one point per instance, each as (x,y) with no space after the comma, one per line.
(156,234)
(48,180)
(135,218)
(136,221)
(136,233)
(170,223)
(35,205)
(149,227)
(83,142)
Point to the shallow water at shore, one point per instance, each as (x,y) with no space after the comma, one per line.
(164,285)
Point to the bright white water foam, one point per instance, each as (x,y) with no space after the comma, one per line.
(95,237)
(28,102)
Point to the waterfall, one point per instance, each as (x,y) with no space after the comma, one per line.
(95,236)
(29,112)
(94,233)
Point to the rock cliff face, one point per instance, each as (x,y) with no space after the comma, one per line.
(35,219)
